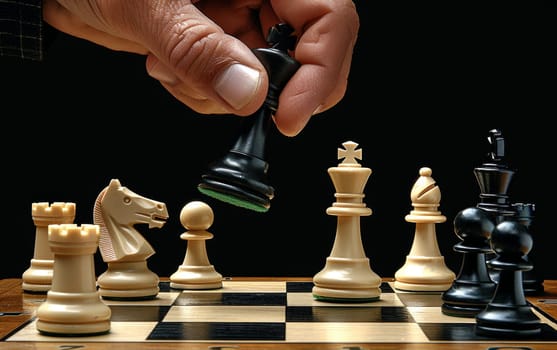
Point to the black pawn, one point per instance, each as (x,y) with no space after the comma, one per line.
(508,314)
(473,288)
(240,177)
(494,178)
(532,282)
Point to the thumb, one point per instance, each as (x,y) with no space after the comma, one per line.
(196,61)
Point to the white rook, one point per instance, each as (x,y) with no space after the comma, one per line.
(38,277)
(73,305)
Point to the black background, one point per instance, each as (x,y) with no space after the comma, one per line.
(422,92)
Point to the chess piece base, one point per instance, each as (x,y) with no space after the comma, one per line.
(500,321)
(465,299)
(75,314)
(38,277)
(424,274)
(239,179)
(128,281)
(463,310)
(346,295)
(196,277)
(200,286)
(347,279)
(417,287)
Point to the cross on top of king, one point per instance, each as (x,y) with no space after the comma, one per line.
(350,154)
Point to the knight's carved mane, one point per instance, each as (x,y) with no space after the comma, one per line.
(105,241)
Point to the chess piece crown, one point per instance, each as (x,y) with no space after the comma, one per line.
(349,179)
(56,212)
(494,179)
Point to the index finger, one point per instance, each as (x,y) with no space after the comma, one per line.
(327,31)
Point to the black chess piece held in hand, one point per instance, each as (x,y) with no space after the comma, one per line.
(240,177)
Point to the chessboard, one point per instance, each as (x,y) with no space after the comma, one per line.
(264,313)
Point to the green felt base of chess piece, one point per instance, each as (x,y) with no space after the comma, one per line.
(233,199)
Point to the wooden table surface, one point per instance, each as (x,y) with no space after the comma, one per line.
(17,308)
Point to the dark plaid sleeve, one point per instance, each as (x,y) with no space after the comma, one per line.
(21,29)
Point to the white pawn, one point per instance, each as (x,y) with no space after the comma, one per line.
(73,305)
(196,272)
(38,277)
(425,268)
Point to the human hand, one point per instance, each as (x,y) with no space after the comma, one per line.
(200,51)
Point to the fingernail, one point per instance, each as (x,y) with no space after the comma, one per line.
(318,110)
(160,72)
(237,85)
